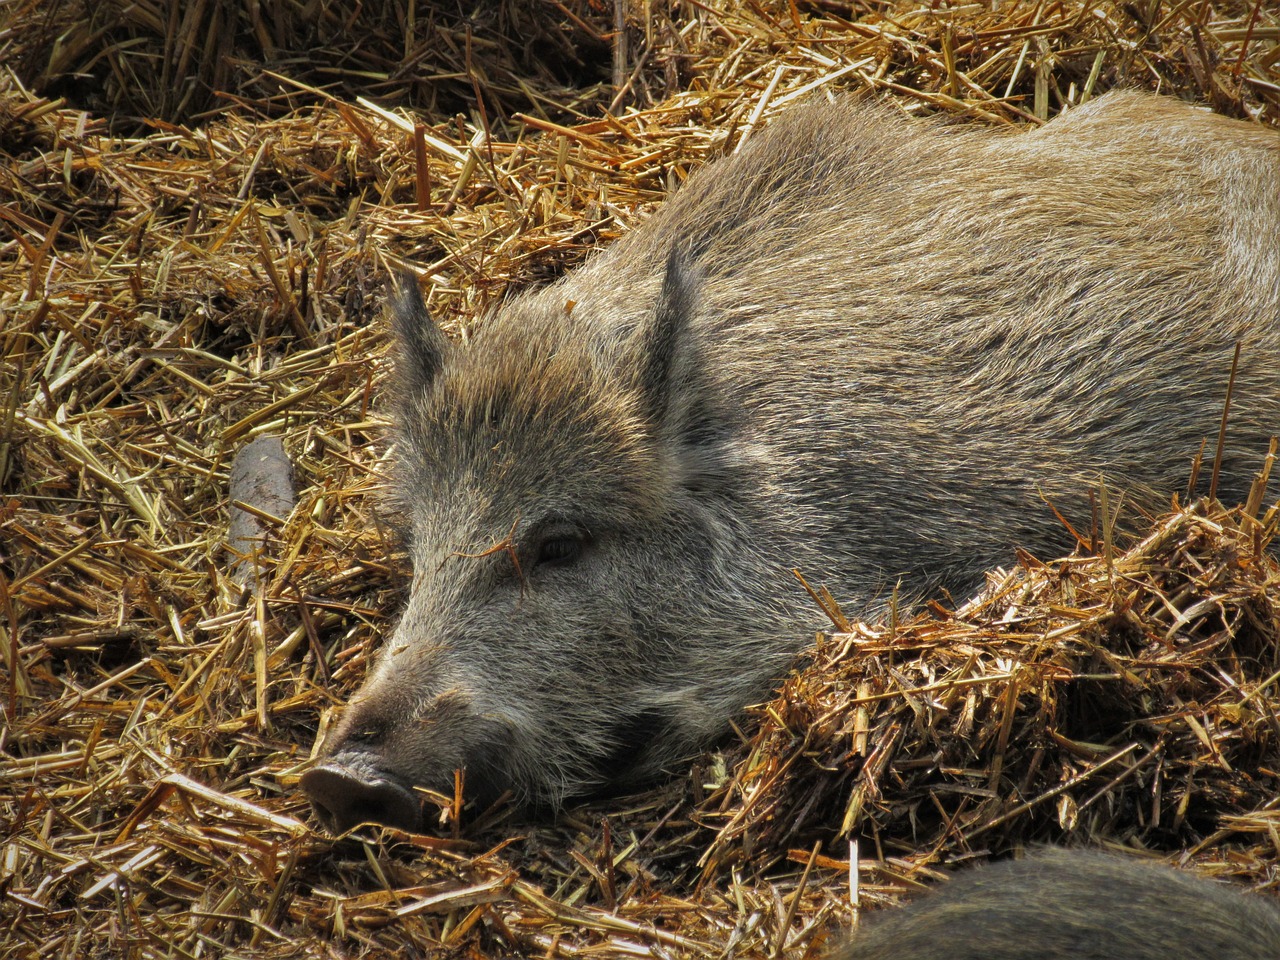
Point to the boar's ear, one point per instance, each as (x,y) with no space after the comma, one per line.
(666,352)
(422,344)
(677,392)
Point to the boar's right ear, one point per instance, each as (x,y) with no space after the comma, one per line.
(422,344)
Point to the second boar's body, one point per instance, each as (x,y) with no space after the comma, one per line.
(863,347)
(1074,905)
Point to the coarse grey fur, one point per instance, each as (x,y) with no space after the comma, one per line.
(863,347)
(1071,905)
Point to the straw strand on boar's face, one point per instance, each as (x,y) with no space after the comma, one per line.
(863,347)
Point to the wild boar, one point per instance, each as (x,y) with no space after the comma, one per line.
(1069,905)
(870,349)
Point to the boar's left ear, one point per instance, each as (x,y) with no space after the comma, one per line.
(667,361)
(422,344)
(677,391)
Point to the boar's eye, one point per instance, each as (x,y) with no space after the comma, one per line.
(559,550)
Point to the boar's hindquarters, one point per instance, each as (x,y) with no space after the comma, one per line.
(343,797)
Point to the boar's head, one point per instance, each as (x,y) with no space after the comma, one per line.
(572,494)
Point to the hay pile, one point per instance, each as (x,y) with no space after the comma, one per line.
(168,294)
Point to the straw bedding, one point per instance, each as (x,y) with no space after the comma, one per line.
(200,204)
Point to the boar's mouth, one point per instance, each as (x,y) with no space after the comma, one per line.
(344,796)
(631,760)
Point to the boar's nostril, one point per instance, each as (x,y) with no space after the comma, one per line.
(343,799)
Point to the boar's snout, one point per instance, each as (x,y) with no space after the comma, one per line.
(344,796)
(389,741)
